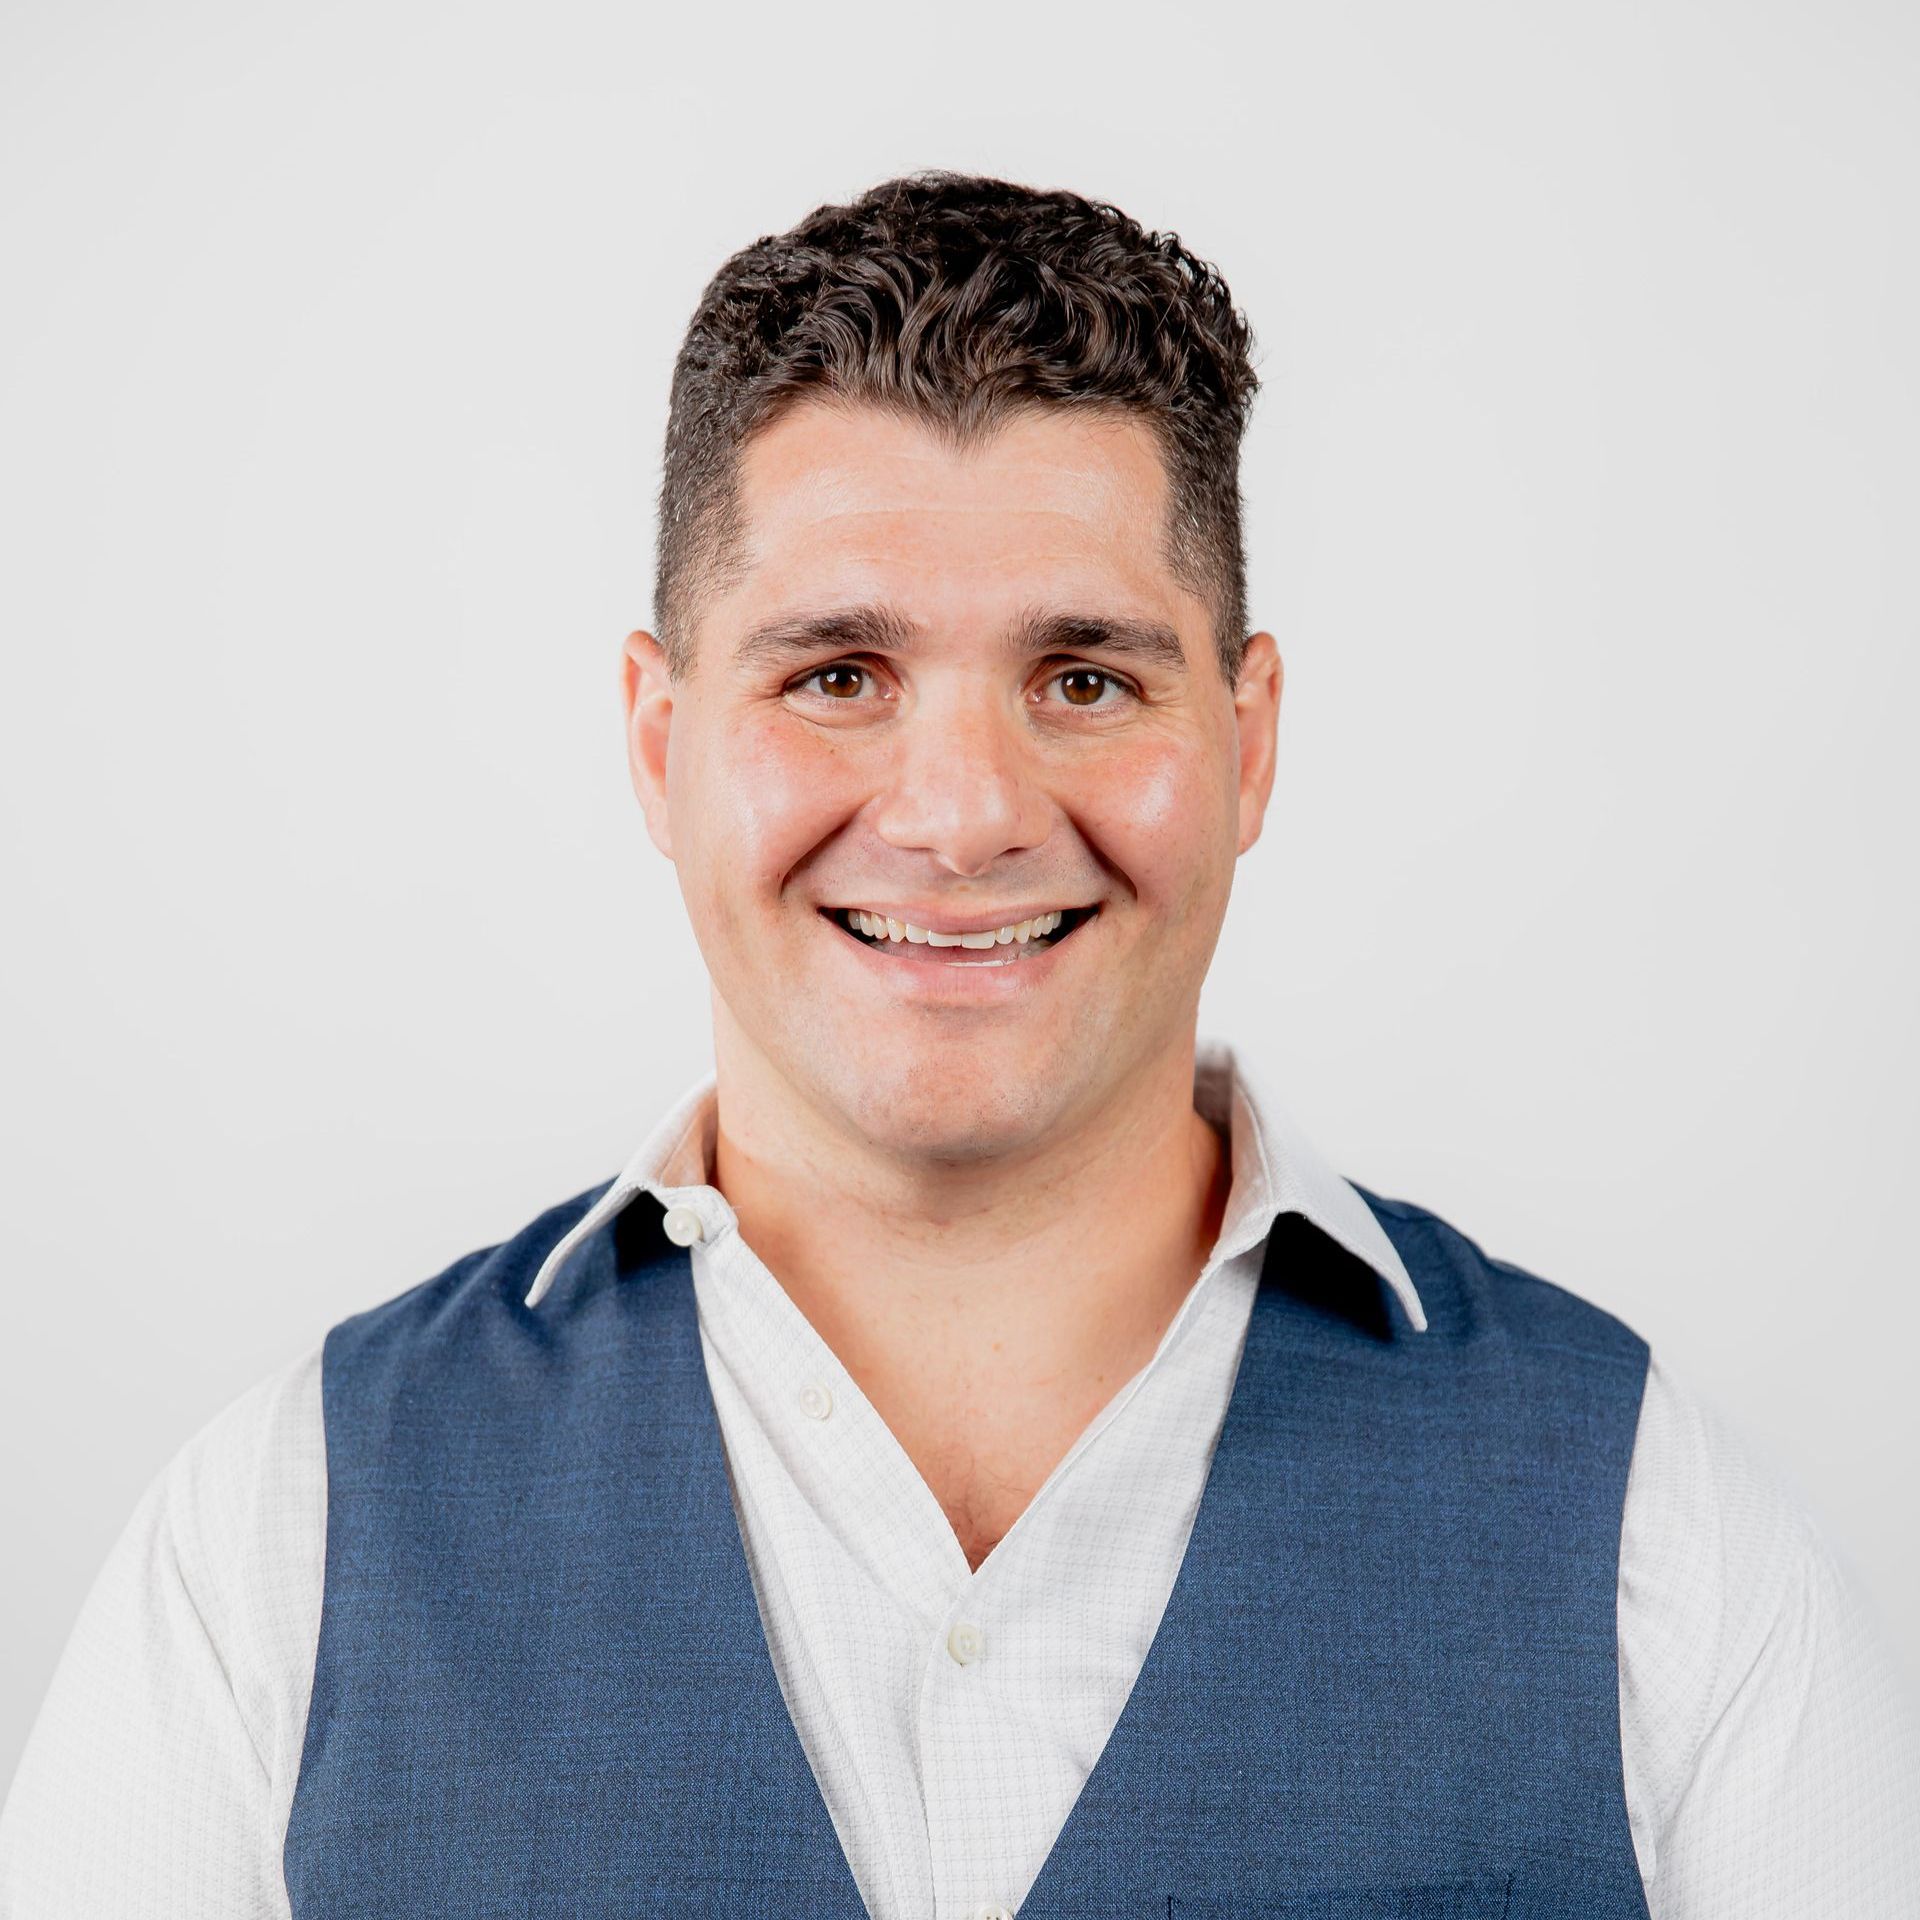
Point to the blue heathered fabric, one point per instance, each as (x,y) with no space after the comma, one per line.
(1384,1686)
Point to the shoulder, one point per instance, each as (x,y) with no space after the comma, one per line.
(238,1518)
(224,1476)
(1704,1503)
(1752,1670)
(168,1739)
(246,1486)
(1717,1551)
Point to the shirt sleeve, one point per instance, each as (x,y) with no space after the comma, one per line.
(1771,1740)
(155,1781)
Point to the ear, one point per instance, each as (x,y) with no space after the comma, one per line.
(1256,708)
(647,691)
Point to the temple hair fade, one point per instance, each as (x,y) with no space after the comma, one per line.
(957,300)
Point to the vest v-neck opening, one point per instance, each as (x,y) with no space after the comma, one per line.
(677,1276)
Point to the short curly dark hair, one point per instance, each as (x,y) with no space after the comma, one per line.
(956,300)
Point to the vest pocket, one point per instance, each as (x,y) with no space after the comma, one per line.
(1425,1900)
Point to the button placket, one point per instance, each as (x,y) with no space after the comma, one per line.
(952,1735)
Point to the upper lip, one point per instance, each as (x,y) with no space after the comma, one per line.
(937,922)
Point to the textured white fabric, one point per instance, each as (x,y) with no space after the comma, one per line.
(1771,1757)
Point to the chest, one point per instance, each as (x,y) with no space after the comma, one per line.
(983,1468)
(543,1680)
(985,1449)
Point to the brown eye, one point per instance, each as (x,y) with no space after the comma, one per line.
(843,681)
(1086,693)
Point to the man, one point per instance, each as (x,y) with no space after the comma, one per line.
(976,1457)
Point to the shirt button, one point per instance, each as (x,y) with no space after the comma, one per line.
(815,1400)
(683,1226)
(966,1641)
(993,1913)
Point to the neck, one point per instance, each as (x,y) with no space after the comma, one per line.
(1025,1291)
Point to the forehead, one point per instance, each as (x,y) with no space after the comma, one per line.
(841,502)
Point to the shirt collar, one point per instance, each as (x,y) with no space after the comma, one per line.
(1276,1170)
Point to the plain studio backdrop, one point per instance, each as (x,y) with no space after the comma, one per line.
(1581,495)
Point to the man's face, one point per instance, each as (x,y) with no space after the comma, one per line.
(957,692)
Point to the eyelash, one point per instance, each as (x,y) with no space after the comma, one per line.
(1126,687)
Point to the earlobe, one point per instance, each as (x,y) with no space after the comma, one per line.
(1256,704)
(646,690)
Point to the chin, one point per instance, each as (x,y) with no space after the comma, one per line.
(938,1109)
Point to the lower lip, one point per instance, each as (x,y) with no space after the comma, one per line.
(963,975)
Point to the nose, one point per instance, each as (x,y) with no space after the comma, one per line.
(963,784)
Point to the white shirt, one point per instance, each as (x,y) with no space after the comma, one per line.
(1771,1757)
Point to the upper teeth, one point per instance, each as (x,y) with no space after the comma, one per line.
(879,926)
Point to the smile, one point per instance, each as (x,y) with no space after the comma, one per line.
(1033,935)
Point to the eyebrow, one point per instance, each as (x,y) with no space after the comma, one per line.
(880,629)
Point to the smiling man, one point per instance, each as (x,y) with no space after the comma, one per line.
(954,780)
(976,1457)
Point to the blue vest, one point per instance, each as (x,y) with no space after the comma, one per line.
(1384,1684)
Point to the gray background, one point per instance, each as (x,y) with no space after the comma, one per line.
(1581,497)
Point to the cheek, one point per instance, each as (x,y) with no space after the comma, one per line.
(1161,816)
(760,797)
